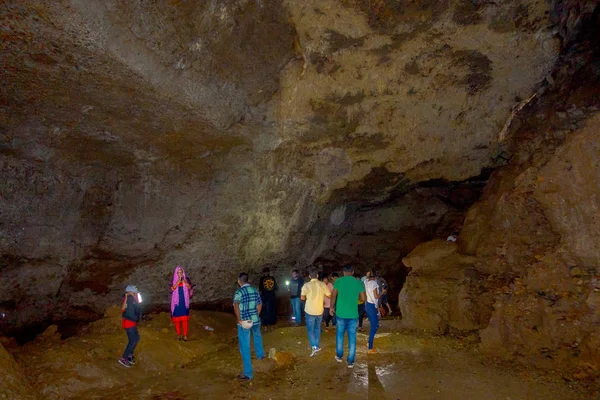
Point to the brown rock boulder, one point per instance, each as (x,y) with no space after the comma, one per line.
(441,290)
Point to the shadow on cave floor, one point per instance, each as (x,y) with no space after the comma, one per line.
(408,366)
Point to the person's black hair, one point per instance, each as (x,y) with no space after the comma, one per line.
(335,275)
(243,277)
(348,268)
(312,272)
(294,270)
(373,272)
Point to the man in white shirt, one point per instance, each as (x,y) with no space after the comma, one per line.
(314,292)
(373,295)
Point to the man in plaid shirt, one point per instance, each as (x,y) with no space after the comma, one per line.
(247,306)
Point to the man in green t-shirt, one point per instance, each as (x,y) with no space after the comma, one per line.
(344,299)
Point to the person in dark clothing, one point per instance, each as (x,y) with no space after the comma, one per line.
(268,294)
(334,276)
(295,289)
(132,312)
(303,302)
(327,318)
(361,308)
(384,305)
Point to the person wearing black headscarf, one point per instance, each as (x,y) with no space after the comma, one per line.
(268,289)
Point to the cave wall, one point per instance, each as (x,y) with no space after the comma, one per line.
(524,273)
(548,313)
(226,135)
(134,228)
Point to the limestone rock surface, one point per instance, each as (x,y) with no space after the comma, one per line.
(225,135)
(549,315)
(531,250)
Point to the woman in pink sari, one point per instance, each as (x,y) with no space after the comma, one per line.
(181,291)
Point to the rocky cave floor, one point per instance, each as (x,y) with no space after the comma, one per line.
(408,365)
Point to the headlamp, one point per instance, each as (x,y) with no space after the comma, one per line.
(287,283)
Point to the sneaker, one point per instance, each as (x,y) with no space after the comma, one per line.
(371,351)
(338,359)
(243,378)
(350,365)
(131,360)
(314,351)
(124,362)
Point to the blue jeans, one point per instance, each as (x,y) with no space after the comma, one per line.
(244,339)
(374,320)
(134,337)
(313,326)
(343,325)
(296,311)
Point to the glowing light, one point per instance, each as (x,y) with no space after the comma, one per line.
(287,283)
(139,297)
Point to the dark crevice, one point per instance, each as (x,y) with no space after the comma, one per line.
(450,189)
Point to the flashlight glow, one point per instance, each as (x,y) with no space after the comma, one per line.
(139,297)
(287,283)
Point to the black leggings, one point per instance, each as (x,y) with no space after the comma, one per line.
(361,314)
(327,317)
(134,337)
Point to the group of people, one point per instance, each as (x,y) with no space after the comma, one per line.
(324,300)
(341,301)
(268,287)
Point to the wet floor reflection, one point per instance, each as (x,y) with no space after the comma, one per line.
(369,378)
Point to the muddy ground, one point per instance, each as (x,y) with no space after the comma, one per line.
(408,366)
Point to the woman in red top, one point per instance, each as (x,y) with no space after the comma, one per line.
(181,291)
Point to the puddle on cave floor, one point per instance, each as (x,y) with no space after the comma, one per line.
(407,366)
